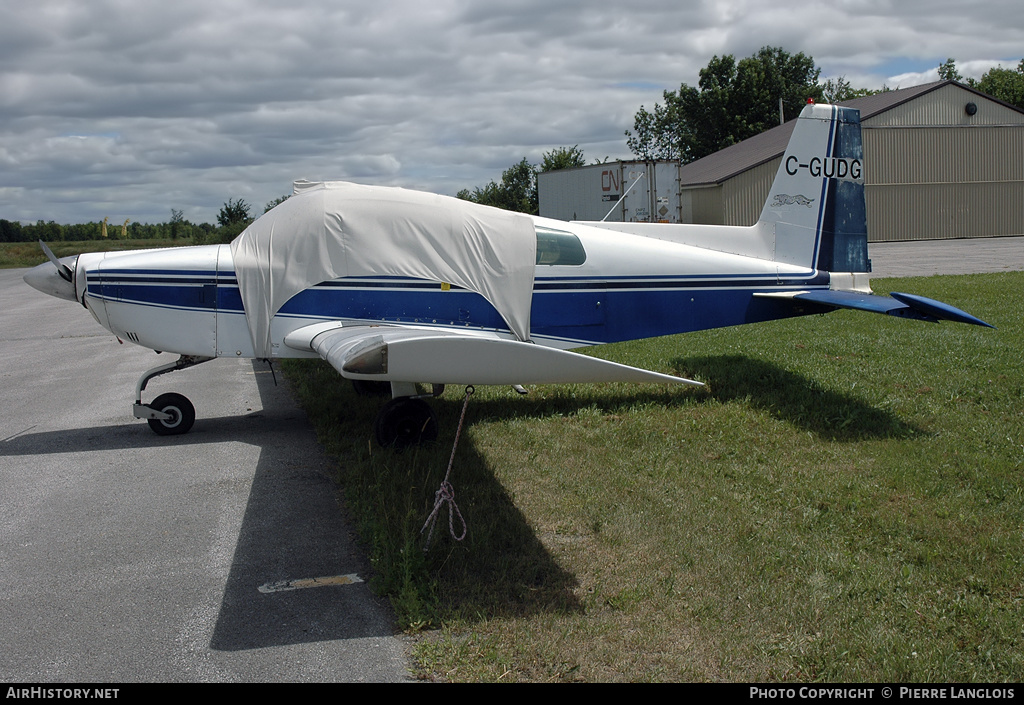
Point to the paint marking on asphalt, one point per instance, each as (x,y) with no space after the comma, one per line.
(285,585)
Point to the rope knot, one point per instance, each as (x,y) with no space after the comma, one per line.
(445,494)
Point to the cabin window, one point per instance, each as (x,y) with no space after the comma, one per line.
(559,247)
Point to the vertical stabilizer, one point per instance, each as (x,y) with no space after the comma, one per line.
(816,203)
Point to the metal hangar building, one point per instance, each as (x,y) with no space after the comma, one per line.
(941,161)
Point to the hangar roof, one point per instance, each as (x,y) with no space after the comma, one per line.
(771,144)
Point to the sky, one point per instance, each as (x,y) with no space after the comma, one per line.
(130,108)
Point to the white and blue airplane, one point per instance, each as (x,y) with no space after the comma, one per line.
(403,287)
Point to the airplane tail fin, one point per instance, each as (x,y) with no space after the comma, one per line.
(816,203)
(817,215)
(814,215)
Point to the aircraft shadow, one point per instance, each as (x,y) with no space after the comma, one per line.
(501,571)
(293,529)
(501,567)
(608,397)
(509,571)
(132,436)
(295,526)
(800,400)
(795,398)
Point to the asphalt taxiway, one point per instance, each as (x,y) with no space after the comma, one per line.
(131,557)
(926,258)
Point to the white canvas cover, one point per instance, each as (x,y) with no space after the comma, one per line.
(336,229)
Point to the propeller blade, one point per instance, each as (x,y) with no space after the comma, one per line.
(65,271)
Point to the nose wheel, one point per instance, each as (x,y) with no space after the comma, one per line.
(169,414)
(180,412)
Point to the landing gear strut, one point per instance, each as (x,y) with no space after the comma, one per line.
(169,414)
(405,422)
(370,388)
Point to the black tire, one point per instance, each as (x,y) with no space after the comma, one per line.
(405,422)
(183,415)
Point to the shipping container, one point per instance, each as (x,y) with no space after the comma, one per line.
(626,191)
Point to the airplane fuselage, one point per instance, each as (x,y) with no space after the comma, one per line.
(405,287)
(603,287)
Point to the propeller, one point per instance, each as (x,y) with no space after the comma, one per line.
(62,269)
(59,283)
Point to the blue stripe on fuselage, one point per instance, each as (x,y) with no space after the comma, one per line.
(586,310)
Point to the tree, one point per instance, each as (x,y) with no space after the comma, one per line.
(733,101)
(276,202)
(948,71)
(10,231)
(838,90)
(177,223)
(233,213)
(1002,84)
(233,218)
(516,192)
(562,158)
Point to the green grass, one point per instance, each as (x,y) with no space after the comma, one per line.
(29,254)
(843,502)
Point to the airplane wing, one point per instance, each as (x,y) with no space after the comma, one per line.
(902,305)
(401,354)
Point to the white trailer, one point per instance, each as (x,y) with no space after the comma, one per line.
(622,192)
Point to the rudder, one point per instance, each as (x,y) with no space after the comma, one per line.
(816,204)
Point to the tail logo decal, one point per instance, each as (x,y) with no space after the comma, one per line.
(784,199)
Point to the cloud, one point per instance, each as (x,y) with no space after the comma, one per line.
(111,106)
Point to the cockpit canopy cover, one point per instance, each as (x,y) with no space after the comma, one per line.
(333,229)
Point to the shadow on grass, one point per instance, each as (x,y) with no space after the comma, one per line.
(500,569)
(795,398)
(801,401)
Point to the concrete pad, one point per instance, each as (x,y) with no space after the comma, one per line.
(926,258)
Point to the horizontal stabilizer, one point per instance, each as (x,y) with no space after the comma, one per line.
(398,354)
(937,309)
(903,305)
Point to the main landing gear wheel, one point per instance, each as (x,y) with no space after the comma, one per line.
(181,411)
(405,422)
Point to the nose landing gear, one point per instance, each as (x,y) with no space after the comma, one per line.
(180,413)
(169,414)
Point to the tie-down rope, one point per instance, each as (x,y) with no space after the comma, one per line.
(446,493)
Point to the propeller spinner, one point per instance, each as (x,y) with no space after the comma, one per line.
(56,280)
